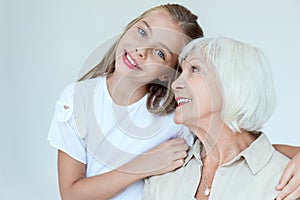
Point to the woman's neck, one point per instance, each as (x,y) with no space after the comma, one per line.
(220,145)
(124,91)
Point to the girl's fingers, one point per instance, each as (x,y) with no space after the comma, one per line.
(288,189)
(286,176)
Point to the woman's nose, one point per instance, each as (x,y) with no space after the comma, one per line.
(178,83)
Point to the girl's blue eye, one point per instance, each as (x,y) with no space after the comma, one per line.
(142,32)
(160,54)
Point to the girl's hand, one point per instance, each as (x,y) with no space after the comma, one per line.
(289,183)
(163,158)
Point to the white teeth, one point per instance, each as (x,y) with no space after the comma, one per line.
(179,101)
(130,59)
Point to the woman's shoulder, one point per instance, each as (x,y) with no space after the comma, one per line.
(279,159)
(166,186)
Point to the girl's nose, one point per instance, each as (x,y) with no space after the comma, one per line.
(141,52)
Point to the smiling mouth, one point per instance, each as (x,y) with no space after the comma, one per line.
(181,101)
(130,62)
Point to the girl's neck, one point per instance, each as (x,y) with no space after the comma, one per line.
(124,91)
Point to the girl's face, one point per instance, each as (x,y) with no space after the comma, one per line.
(197,94)
(150,48)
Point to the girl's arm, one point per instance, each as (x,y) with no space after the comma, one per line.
(289,184)
(289,151)
(74,184)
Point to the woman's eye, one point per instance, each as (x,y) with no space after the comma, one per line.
(142,32)
(194,69)
(160,54)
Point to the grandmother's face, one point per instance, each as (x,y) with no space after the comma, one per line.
(197,94)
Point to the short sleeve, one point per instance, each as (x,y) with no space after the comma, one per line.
(63,133)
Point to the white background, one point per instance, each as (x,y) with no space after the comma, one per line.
(43,44)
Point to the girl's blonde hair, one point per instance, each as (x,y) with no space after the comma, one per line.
(160,97)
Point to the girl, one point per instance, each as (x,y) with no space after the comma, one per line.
(120,109)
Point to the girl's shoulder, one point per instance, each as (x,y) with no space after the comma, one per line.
(74,91)
(81,86)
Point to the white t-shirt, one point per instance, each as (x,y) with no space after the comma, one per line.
(91,128)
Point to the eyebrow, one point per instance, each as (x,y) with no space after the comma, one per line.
(162,44)
(147,25)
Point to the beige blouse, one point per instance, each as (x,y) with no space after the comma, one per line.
(253,174)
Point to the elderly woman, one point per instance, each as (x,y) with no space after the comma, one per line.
(225,95)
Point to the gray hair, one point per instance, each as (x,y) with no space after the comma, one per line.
(244,77)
